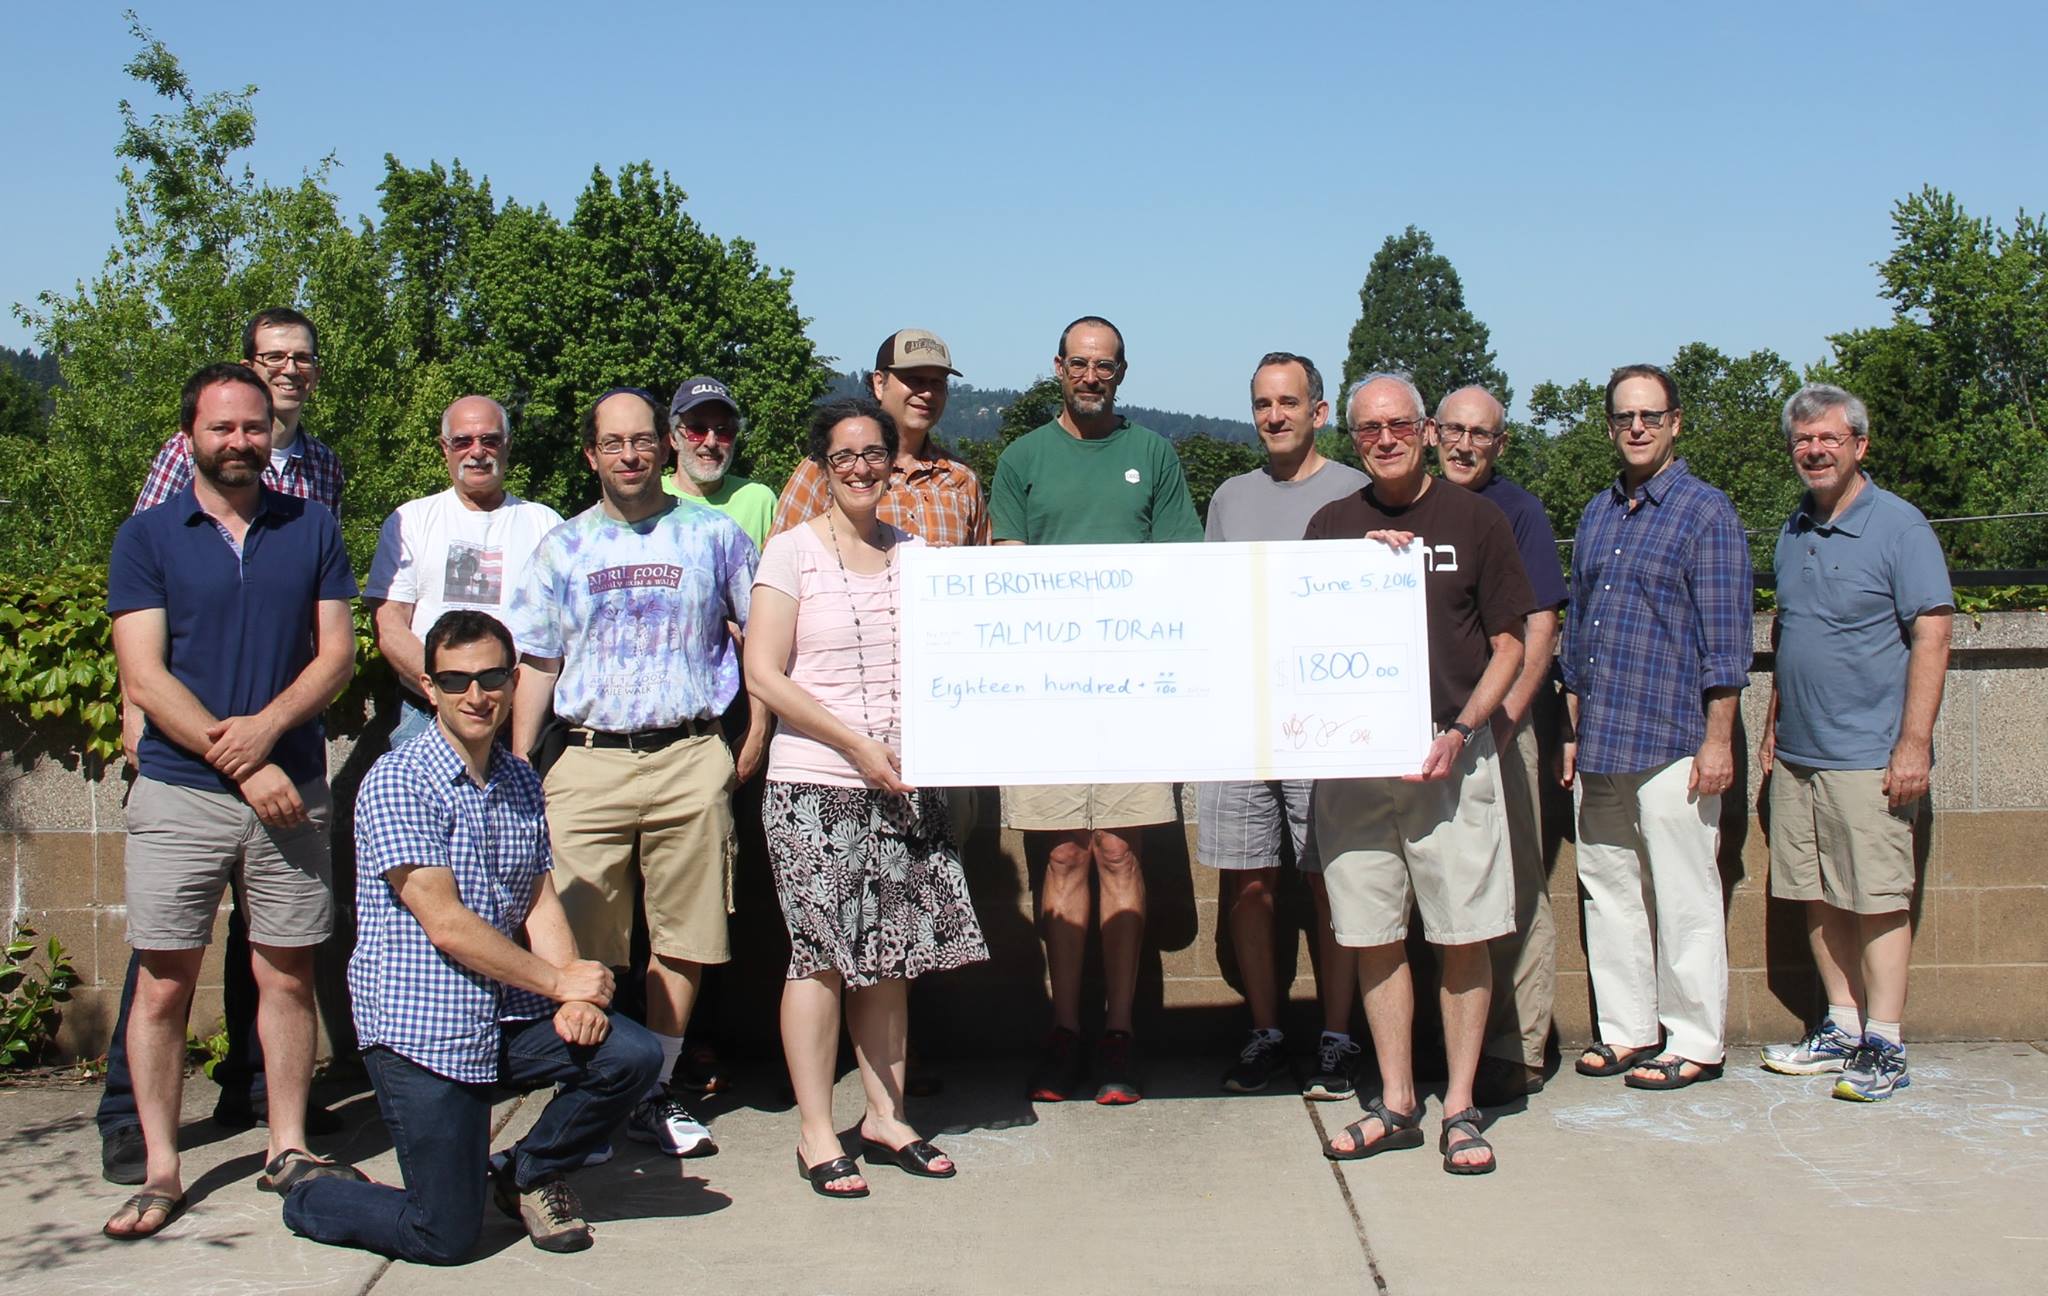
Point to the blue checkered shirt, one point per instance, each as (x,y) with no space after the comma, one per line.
(1660,604)
(419,806)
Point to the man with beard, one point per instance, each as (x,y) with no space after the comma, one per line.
(1240,824)
(466,547)
(622,625)
(707,428)
(932,493)
(1435,840)
(282,346)
(1862,636)
(1090,476)
(231,628)
(1471,432)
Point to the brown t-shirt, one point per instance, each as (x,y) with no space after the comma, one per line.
(1474,588)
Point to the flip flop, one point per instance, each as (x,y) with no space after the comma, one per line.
(840,1167)
(1671,1074)
(913,1158)
(1466,1121)
(1612,1064)
(143,1203)
(294,1166)
(1403,1130)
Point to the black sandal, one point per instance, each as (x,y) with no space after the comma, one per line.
(1468,1122)
(144,1204)
(294,1166)
(1671,1073)
(913,1158)
(839,1167)
(1403,1130)
(1611,1063)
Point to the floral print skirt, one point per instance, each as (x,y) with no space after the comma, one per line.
(870,883)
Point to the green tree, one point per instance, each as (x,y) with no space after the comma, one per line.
(21,410)
(1412,316)
(1209,461)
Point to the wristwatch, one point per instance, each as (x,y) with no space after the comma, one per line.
(1460,728)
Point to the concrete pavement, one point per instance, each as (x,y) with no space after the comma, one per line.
(1744,1185)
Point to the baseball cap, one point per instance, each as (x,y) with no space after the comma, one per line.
(699,391)
(912,348)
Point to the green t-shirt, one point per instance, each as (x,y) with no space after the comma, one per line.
(748,503)
(1126,488)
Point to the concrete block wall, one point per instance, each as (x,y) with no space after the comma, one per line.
(1981,918)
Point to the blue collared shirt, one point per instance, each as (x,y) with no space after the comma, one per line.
(1659,614)
(240,622)
(419,806)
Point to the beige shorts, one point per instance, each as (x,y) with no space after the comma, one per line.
(1442,846)
(1064,807)
(675,806)
(1835,838)
(185,845)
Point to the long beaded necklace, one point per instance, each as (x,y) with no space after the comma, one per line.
(860,642)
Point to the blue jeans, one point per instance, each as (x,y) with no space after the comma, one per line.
(441,1130)
(412,722)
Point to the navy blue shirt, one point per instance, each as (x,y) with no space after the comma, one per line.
(240,626)
(1534,539)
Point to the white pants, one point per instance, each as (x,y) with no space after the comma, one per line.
(1644,839)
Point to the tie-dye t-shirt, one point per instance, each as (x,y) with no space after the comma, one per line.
(637,614)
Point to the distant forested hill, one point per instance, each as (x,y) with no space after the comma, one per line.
(974,413)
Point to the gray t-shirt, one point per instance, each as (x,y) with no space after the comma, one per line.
(1252,506)
(1848,593)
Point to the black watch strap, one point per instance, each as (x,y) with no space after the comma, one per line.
(1460,728)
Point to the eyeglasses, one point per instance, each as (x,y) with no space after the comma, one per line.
(1623,420)
(1479,437)
(458,682)
(1082,366)
(1826,441)
(279,359)
(488,440)
(612,447)
(1403,429)
(722,431)
(842,460)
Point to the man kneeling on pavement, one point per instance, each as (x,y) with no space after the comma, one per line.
(465,974)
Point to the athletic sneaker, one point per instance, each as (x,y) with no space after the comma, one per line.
(501,1162)
(661,1119)
(1336,1059)
(1877,1071)
(1116,1070)
(1058,1075)
(550,1211)
(1827,1047)
(1261,1056)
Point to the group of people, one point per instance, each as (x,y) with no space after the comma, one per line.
(582,700)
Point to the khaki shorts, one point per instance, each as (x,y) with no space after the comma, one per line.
(1835,838)
(1064,807)
(1442,845)
(184,846)
(675,806)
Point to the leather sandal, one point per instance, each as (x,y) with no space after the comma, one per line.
(1611,1063)
(913,1158)
(294,1166)
(823,1173)
(1671,1073)
(144,1204)
(1465,1122)
(1401,1130)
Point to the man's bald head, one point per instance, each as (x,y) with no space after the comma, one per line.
(1471,429)
(476,440)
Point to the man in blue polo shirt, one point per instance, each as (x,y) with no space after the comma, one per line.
(231,628)
(465,973)
(1864,612)
(1471,432)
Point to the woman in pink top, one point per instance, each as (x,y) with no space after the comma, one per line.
(870,883)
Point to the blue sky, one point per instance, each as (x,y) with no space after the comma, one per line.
(1610,181)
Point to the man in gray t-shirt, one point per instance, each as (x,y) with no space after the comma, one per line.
(1240,823)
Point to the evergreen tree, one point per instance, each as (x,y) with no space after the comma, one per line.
(1412,317)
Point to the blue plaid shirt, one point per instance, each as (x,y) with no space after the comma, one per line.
(1660,604)
(419,806)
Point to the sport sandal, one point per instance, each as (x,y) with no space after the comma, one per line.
(1465,1122)
(1402,1130)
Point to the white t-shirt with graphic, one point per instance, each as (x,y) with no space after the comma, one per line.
(437,555)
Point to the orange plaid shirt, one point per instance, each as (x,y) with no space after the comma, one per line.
(939,500)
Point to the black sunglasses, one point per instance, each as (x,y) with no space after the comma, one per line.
(458,682)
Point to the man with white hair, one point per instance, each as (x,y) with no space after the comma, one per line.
(464,547)
(1862,637)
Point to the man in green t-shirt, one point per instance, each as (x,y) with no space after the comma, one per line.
(707,426)
(1090,477)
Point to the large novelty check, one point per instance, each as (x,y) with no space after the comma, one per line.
(1183,662)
